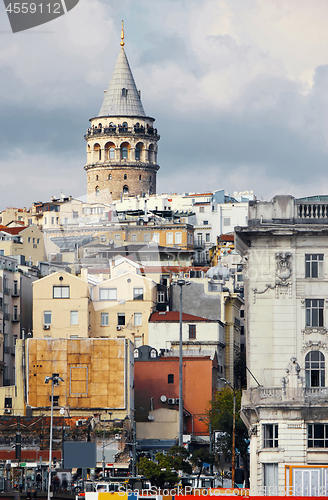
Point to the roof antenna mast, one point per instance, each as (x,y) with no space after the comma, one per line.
(122,36)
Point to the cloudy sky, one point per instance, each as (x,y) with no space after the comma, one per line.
(238,88)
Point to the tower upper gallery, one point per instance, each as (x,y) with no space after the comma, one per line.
(121,141)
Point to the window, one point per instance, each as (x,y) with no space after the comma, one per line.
(207,237)
(205,222)
(133,237)
(136,353)
(242,313)
(52,220)
(125,177)
(314,265)
(29,240)
(138,294)
(117,236)
(124,153)
(74,318)
(38,240)
(111,155)
(109,177)
(226,221)
(317,436)
(153,353)
(270,435)
(178,238)
(192,331)
(137,319)
(55,400)
(271,479)
(201,210)
(170,378)
(61,292)
(147,237)
(199,238)
(104,319)
(314,312)
(8,402)
(169,238)
(121,319)
(137,156)
(97,190)
(315,369)
(107,294)
(47,318)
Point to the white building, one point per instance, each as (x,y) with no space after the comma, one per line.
(285,407)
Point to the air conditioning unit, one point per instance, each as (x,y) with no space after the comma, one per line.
(177,401)
(171,401)
(118,327)
(7,411)
(80,422)
(46,327)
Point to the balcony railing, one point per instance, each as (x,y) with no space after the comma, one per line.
(6,290)
(136,130)
(308,210)
(276,395)
(15,318)
(6,316)
(15,292)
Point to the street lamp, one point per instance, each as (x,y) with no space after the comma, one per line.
(210,436)
(180,282)
(233,459)
(55,379)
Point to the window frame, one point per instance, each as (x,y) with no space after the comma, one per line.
(312,430)
(102,293)
(120,319)
(314,313)
(314,265)
(272,437)
(170,378)
(137,319)
(60,288)
(138,295)
(192,331)
(315,369)
(44,317)
(74,323)
(104,319)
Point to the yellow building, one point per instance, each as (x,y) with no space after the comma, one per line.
(122,305)
(61,307)
(16,214)
(97,373)
(26,241)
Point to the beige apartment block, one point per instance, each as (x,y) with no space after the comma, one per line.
(61,307)
(11,214)
(26,241)
(97,374)
(122,306)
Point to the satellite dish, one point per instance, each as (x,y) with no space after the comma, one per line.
(62,411)
(151,417)
(163,398)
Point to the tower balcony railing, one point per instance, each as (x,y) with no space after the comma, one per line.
(135,130)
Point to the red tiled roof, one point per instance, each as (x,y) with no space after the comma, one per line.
(12,230)
(174,317)
(227,237)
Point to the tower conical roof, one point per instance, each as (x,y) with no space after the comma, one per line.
(120,102)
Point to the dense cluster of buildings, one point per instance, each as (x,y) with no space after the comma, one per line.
(87,290)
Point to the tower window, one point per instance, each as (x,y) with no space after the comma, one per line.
(125,189)
(124,92)
(109,177)
(137,155)
(112,153)
(97,178)
(97,190)
(125,177)
(124,153)
(140,177)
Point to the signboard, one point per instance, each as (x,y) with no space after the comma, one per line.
(79,454)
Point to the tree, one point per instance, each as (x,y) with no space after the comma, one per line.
(222,420)
(199,457)
(164,469)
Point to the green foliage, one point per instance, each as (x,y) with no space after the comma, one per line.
(164,469)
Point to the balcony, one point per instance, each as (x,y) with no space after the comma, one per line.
(6,316)
(15,292)
(135,130)
(6,290)
(277,395)
(15,318)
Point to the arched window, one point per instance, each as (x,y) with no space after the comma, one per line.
(140,177)
(136,353)
(153,353)
(109,177)
(112,153)
(97,191)
(151,154)
(125,177)
(125,189)
(97,177)
(124,153)
(315,369)
(97,151)
(137,153)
